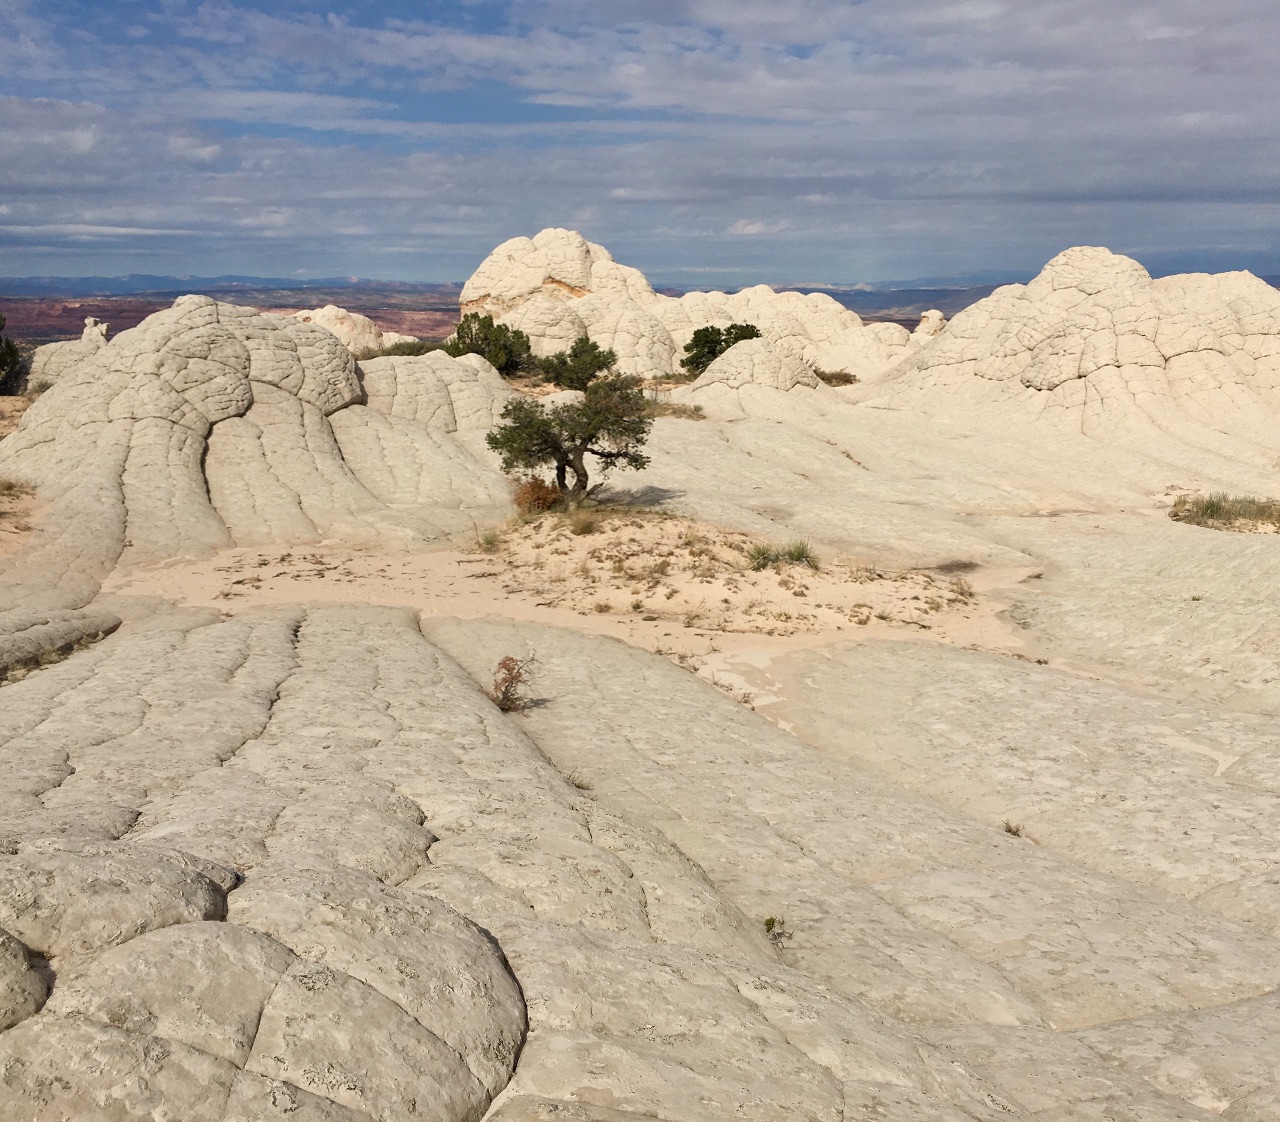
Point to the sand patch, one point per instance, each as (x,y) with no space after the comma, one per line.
(18,505)
(678,572)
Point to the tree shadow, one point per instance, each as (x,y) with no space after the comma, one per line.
(636,497)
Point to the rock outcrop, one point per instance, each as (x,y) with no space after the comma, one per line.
(359,334)
(1097,343)
(211,425)
(53,360)
(557,286)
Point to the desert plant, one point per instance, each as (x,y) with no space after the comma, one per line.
(488,541)
(1012,828)
(535,495)
(836,377)
(15,487)
(762,555)
(407,348)
(1219,509)
(609,424)
(776,929)
(10,364)
(576,368)
(505,349)
(709,343)
(511,680)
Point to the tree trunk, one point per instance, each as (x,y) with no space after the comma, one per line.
(576,461)
(561,468)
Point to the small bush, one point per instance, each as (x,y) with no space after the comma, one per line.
(511,680)
(1012,828)
(671,409)
(799,553)
(534,495)
(1219,510)
(576,368)
(507,350)
(776,929)
(837,377)
(406,349)
(15,488)
(488,541)
(709,343)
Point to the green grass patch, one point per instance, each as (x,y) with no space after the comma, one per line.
(762,555)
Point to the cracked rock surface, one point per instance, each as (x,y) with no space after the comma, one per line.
(288,860)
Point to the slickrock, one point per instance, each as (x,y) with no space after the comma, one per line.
(274,854)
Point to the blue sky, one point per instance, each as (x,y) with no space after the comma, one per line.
(715,142)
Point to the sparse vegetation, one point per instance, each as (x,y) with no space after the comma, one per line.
(15,488)
(535,495)
(1221,511)
(576,780)
(609,424)
(836,377)
(511,681)
(1012,828)
(488,541)
(405,349)
(506,350)
(10,363)
(775,928)
(709,343)
(579,366)
(658,408)
(799,552)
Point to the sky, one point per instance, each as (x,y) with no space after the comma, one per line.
(707,142)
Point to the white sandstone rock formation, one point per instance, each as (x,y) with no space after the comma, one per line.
(284,859)
(212,425)
(1095,342)
(557,286)
(50,362)
(359,334)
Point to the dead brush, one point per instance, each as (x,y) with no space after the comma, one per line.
(535,496)
(1219,510)
(511,680)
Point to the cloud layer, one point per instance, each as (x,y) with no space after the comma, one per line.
(725,141)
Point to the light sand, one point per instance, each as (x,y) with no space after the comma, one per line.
(661,583)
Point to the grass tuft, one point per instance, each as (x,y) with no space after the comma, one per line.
(762,555)
(1221,511)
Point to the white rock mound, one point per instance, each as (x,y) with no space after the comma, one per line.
(1095,341)
(750,378)
(359,334)
(50,362)
(211,425)
(557,286)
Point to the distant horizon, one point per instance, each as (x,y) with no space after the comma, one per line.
(705,142)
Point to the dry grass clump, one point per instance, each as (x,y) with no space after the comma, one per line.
(15,488)
(1221,511)
(798,552)
(673,409)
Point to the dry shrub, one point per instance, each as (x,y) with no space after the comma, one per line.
(534,495)
(511,680)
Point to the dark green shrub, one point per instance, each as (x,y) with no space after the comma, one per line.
(575,368)
(609,424)
(505,349)
(709,343)
(10,364)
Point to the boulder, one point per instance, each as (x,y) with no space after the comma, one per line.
(359,334)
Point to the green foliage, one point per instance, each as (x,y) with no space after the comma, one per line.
(505,349)
(709,343)
(609,424)
(575,368)
(10,363)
